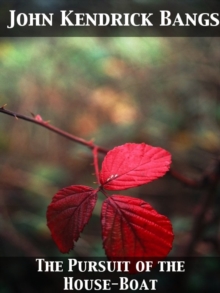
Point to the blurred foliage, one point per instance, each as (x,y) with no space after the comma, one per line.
(161,91)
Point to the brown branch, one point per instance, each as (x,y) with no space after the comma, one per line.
(211,180)
(202,208)
(46,124)
(38,120)
(187,181)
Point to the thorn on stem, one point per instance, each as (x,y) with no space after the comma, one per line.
(2,107)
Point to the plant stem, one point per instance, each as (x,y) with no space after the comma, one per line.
(91,145)
(96,164)
(202,208)
(46,124)
(187,181)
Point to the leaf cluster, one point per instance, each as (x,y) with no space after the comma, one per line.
(130,226)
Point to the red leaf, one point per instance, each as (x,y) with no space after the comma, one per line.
(68,213)
(132,165)
(132,228)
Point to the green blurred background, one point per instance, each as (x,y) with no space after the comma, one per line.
(161,91)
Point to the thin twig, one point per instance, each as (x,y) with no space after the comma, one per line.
(38,120)
(201,210)
(46,124)
(211,180)
(187,181)
(96,164)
